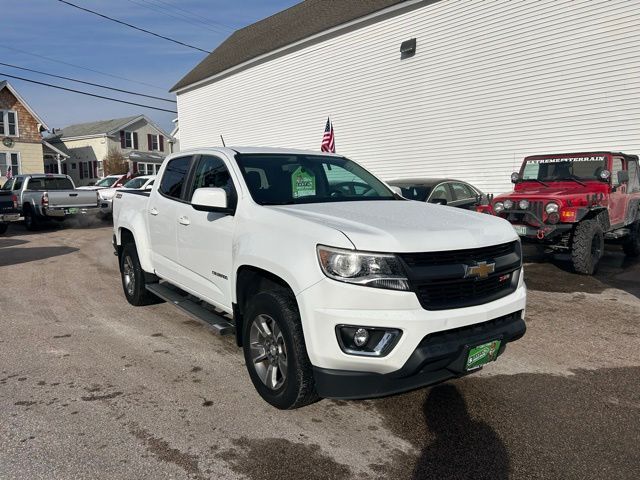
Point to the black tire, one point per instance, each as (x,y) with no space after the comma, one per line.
(134,279)
(298,387)
(3,227)
(631,245)
(587,247)
(31,220)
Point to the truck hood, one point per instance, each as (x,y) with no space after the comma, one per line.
(406,226)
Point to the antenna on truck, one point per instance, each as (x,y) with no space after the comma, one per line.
(222,138)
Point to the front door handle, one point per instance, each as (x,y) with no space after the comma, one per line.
(184,221)
(153,211)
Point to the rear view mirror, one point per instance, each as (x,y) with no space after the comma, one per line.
(623,176)
(210,200)
(438,201)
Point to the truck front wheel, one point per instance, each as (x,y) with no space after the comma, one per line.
(587,247)
(275,351)
(133,278)
(631,246)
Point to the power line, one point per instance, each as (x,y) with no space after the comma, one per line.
(85,68)
(193,15)
(133,26)
(88,83)
(184,18)
(86,93)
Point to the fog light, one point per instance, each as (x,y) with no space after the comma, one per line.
(553,218)
(524,204)
(361,337)
(508,204)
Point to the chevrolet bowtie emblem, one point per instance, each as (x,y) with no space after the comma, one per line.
(481,270)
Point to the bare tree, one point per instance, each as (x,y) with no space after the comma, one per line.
(114,163)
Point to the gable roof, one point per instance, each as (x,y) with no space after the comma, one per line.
(303,20)
(100,127)
(60,148)
(8,86)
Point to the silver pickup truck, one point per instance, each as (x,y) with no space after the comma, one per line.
(50,196)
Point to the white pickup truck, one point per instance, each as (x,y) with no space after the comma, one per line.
(334,285)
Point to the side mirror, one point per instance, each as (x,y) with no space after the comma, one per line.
(210,200)
(623,176)
(515,177)
(438,201)
(396,190)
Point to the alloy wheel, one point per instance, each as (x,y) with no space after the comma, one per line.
(268,351)
(129,275)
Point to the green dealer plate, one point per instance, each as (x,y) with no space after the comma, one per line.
(482,354)
(73,210)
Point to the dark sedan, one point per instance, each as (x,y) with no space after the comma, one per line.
(443,191)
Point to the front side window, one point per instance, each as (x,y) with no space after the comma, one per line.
(211,172)
(616,166)
(8,185)
(283,179)
(8,123)
(174,177)
(415,192)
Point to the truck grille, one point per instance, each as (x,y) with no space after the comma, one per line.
(533,215)
(441,280)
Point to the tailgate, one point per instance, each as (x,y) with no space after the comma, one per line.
(72,198)
(6,202)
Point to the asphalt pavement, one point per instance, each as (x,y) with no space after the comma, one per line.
(91,387)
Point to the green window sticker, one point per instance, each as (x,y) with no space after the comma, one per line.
(303,183)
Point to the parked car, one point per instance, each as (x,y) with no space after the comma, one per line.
(50,196)
(143,182)
(330,293)
(572,203)
(8,208)
(443,191)
(110,181)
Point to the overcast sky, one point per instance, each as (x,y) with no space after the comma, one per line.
(65,35)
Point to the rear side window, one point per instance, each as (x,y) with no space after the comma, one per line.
(174,177)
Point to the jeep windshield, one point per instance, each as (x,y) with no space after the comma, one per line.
(286,179)
(563,168)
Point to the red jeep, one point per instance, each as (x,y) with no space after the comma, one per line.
(572,202)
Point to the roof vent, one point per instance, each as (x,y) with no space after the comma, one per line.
(408,49)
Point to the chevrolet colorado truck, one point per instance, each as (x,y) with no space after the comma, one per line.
(8,209)
(572,203)
(47,196)
(330,293)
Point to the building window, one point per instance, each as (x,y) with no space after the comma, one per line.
(155,142)
(128,139)
(9,123)
(10,159)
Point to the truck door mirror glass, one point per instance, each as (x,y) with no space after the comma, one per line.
(210,200)
(623,177)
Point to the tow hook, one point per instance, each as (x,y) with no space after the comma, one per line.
(540,234)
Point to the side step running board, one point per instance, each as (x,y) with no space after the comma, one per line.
(214,321)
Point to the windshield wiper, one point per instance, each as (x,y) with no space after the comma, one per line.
(535,180)
(570,178)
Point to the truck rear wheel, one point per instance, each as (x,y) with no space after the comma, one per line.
(631,245)
(133,278)
(30,219)
(587,247)
(275,351)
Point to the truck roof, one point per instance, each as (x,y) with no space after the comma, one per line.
(43,175)
(266,150)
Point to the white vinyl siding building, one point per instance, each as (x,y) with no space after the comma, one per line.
(490,82)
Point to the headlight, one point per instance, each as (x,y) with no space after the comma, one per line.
(508,204)
(376,270)
(524,204)
(551,207)
(498,207)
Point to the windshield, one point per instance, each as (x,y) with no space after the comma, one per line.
(415,192)
(554,169)
(282,179)
(135,183)
(107,182)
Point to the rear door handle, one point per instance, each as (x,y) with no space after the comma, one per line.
(184,221)
(153,211)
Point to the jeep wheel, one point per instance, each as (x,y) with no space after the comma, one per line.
(631,245)
(133,278)
(275,352)
(587,247)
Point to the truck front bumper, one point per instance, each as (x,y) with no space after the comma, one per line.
(415,360)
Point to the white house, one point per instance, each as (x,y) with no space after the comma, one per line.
(487,83)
